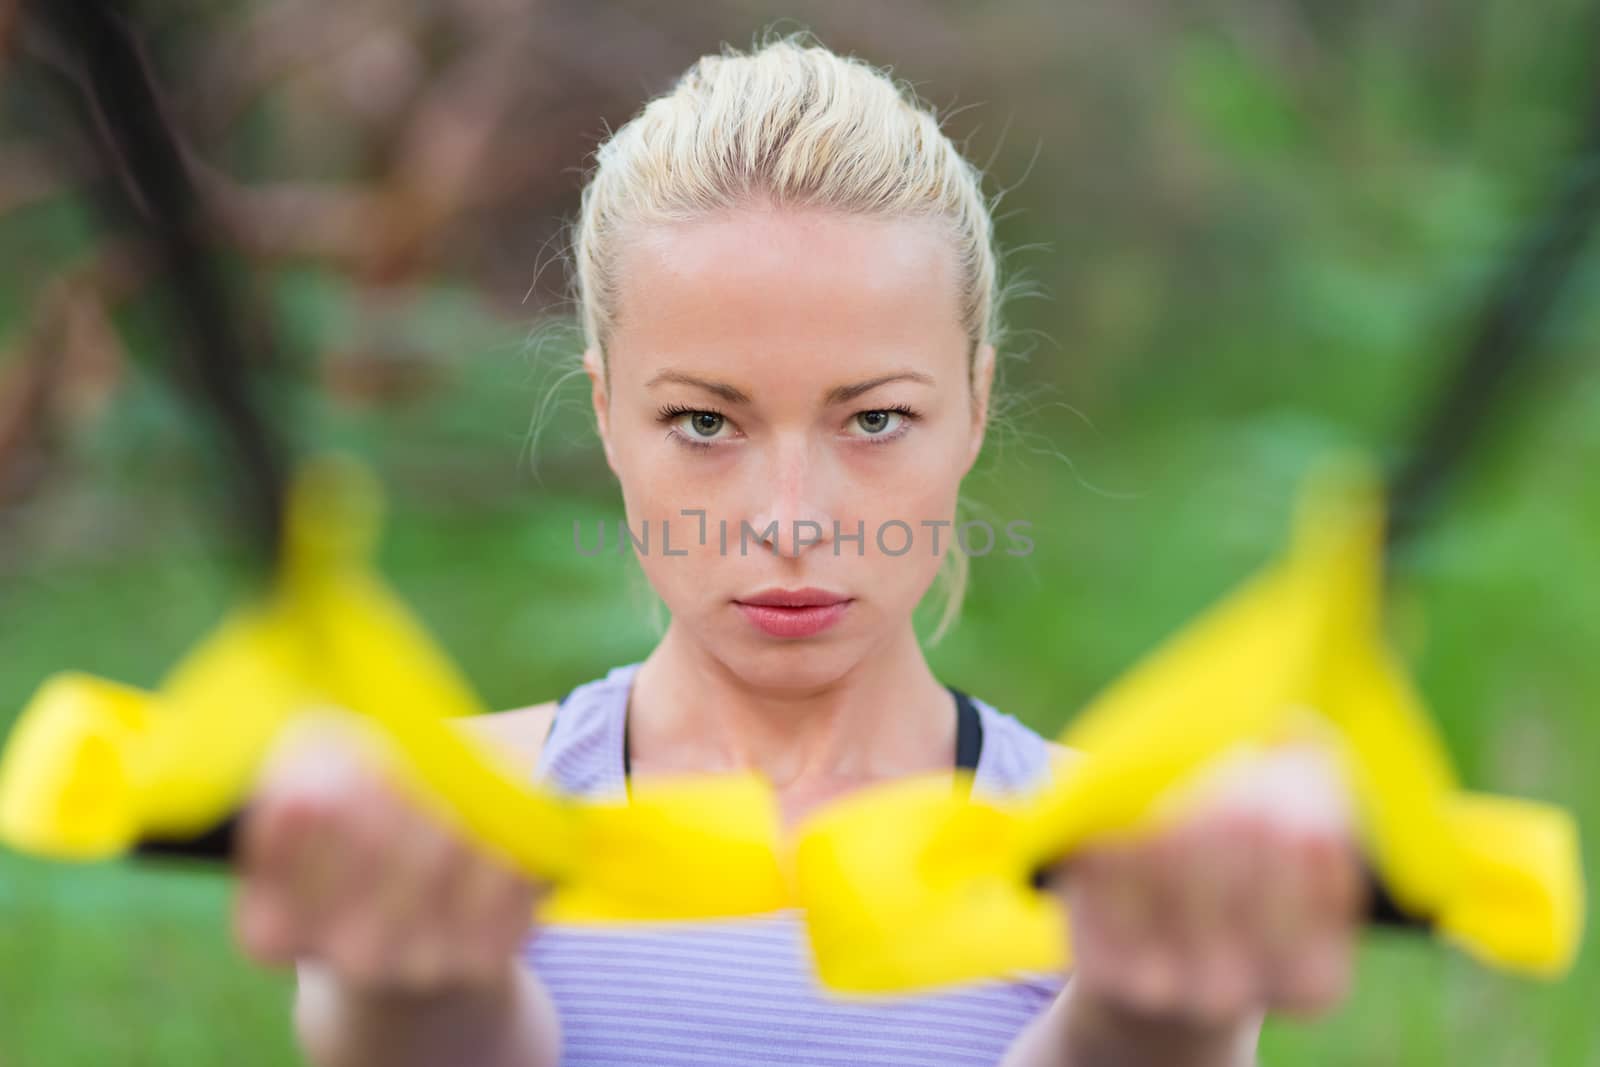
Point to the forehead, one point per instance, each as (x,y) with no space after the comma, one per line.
(766,287)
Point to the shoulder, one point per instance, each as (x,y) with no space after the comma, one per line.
(518,734)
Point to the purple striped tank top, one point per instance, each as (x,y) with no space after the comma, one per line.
(741,992)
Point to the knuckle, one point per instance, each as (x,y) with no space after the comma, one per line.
(362,966)
(517,915)
(447,852)
(1154,982)
(353,948)
(290,812)
(420,967)
(260,927)
(1313,984)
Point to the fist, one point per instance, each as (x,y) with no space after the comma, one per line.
(338,865)
(1249,903)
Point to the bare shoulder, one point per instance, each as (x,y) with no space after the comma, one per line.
(517,734)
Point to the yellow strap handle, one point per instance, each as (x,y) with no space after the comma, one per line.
(908,887)
(93,767)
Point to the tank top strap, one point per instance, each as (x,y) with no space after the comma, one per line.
(582,755)
(1016,759)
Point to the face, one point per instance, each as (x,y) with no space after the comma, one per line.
(799,368)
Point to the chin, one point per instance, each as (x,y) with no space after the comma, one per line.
(769,663)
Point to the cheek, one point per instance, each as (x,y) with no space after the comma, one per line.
(912,489)
(907,526)
(684,556)
(658,496)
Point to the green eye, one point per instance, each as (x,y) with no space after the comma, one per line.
(877,423)
(706,423)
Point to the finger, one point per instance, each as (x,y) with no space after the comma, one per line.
(1316,976)
(1149,890)
(356,938)
(409,899)
(266,918)
(323,875)
(1279,914)
(514,927)
(263,925)
(311,785)
(1103,918)
(510,909)
(1346,883)
(1319,978)
(474,903)
(1225,863)
(1288,920)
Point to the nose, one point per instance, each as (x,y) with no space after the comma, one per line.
(794,488)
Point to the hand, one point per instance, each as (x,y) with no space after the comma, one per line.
(340,867)
(1250,904)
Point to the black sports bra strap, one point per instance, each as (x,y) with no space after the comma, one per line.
(969,731)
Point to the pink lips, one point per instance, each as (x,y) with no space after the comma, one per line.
(793,612)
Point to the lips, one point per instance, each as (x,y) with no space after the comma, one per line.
(809,597)
(793,613)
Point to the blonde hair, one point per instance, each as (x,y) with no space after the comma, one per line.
(793,124)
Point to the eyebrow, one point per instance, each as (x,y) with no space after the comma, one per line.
(839,394)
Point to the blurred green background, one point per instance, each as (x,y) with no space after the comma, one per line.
(1246,231)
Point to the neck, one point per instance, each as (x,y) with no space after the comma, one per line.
(810,732)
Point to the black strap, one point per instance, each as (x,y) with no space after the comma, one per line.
(969,731)
(969,734)
(216,844)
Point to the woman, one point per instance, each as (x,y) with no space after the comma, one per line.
(789,289)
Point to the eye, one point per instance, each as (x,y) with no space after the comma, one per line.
(883,424)
(696,427)
(876,423)
(705,423)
